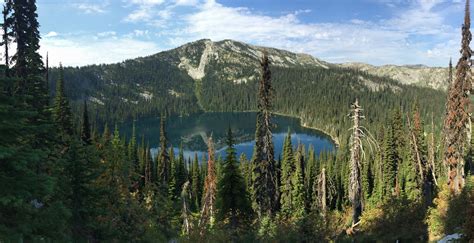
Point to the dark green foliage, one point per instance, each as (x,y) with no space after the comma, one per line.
(25,200)
(288,168)
(62,112)
(196,190)
(232,199)
(390,163)
(298,190)
(85,126)
(265,178)
(164,160)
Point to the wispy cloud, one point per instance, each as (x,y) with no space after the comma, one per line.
(415,35)
(92,8)
(415,31)
(105,47)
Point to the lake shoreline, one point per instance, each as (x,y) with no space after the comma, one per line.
(334,139)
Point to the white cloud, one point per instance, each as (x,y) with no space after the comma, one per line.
(403,39)
(146,2)
(82,50)
(51,34)
(91,8)
(106,34)
(186,2)
(417,32)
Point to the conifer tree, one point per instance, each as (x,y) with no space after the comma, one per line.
(232,200)
(424,179)
(85,127)
(298,190)
(62,111)
(288,168)
(7,33)
(265,181)
(311,172)
(196,185)
(28,62)
(390,163)
(457,117)
(164,168)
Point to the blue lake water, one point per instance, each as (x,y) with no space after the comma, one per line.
(192,132)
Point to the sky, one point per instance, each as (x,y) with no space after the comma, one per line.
(378,32)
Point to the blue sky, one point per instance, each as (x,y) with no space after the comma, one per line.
(81,32)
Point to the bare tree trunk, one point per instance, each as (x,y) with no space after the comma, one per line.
(355,188)
(416,151)
(323,192)
(432,152)
(186,197)
(210,188)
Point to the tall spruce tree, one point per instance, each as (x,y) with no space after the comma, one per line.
(7,33)
(62,110)
(164,161)
(265,181)
(85,126)
(196,191)
(232,200)
(288,168)
(298,190)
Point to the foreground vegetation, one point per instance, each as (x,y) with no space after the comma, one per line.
(392,178)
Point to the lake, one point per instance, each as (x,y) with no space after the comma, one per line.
(193,131)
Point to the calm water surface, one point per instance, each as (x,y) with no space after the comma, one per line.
(193,131)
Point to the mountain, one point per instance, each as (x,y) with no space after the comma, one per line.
(420,75)
(223,76)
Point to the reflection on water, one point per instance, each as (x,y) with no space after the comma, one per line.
(193,131)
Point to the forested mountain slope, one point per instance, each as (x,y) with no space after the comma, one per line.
(223,76)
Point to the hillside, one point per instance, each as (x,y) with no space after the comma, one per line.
(420,75)
(222,76)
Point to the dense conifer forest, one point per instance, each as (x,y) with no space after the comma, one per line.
(403,169)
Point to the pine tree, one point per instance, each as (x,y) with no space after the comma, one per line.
(26,190)
(265,181)
(86,127)
(178,173)
(132,157)
(164,168)
(311,172)
(457,117)
(424,178)
(288,168)
(28,63)
(62,111)
(7,33)
(196,185)
(298,190)
(390,163)
(232,199)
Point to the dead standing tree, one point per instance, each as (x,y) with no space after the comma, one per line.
(355,184)
(457,119)
(186,212)
(210,188)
